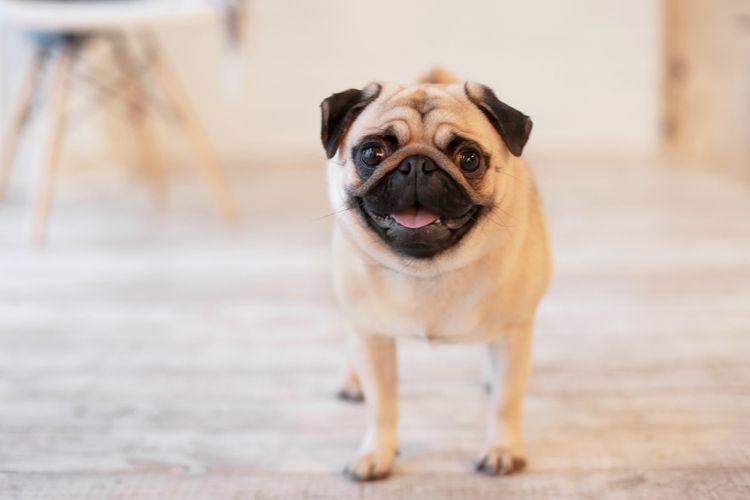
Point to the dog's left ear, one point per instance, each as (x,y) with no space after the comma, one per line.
(512,125)
(339,111)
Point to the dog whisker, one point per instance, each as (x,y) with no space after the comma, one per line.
(335,212)
(498,207)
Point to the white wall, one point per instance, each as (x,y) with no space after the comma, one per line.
(587,71)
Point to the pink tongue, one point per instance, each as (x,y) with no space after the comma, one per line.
(415,217)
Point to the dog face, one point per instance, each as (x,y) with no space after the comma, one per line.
(416,171)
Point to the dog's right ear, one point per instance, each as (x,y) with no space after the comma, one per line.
(339,111)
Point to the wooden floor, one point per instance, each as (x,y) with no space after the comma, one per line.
(164,355)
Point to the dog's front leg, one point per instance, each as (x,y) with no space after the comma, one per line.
(511,355)
(374,359)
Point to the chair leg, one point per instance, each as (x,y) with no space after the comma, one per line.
(20,116)
(207,159)
(136,102)
(61,88)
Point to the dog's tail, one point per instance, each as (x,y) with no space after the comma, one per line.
(437,75)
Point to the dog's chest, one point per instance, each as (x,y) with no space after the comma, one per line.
(446,308)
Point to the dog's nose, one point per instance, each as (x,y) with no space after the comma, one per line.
(416,163)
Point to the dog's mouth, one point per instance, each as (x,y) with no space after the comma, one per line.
(418,217)
(417,231)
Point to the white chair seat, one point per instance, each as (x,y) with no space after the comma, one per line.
(72,16)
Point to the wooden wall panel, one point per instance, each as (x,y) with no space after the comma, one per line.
(707,90)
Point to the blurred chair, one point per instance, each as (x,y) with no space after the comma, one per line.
(60,31)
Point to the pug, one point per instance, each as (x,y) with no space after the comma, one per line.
(439,234)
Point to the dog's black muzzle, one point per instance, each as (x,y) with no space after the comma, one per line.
(418,208)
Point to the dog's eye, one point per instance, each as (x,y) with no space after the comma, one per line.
(469,160)
(372,154)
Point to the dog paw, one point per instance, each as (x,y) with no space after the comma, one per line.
(351,391)
(351,394)
(370,466)
(498,461)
